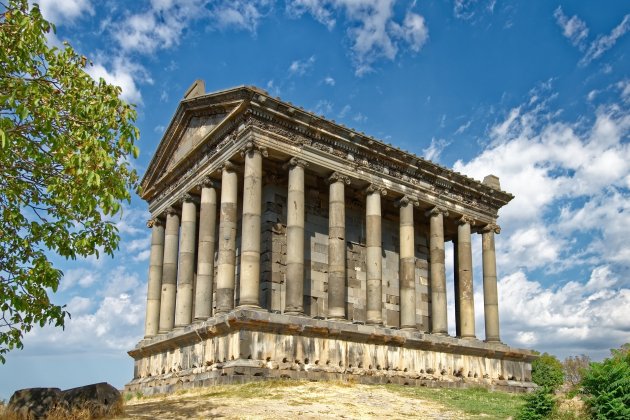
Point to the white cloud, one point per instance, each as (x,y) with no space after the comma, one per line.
(463,127)
(77,277)
(300,67)
(344,111)
(574,29)
(464,9)
(113,324)
(373,32)
(435,149)
(329,81)
(122,73)
(162,26)
(605,42)
(61,11)
(568,319)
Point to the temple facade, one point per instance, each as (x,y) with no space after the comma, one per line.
(287,245)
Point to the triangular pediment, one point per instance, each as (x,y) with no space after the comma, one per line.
(193,136)
(195,124)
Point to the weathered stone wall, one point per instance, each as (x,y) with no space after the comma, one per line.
(273,256)
(272,344)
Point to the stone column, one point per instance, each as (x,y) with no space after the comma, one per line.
(490,295)
(154,285)
(226,260)
(295,238)
(337,246)
(458,331)
(374,258)
(251,227)
(205,250)
(186,266)
(406,277)
(465,277)
(439,324)
(169,271)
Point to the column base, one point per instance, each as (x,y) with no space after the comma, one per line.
(337,319)
(295,313)
(492,340)
(374,322)
(440,333)
(407,328)
(468,337)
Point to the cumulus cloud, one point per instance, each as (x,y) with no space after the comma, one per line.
(372,28)
(569,219)
(61,11)
(605,42)
(574,29)
(329,81)
(112,324)
(574,317)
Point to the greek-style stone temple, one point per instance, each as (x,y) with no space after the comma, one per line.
(285,245)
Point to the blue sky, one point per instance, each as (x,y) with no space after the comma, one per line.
(535,92)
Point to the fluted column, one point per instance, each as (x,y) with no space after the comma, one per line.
(205,250)
(169,271)
(490,295)
(226,260)
(439,324)
(186,266)
(154,285)
(337,246)
(374,259)
(295,238)
(465,279)
(406,277)
(251,227)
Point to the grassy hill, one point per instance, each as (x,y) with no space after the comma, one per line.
(316,400)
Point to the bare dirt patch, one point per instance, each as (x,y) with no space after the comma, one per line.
(277,400)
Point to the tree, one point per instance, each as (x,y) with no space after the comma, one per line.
(606,385)
(65,141)
(574,367)
(547,372)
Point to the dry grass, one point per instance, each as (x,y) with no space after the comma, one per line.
(85,412)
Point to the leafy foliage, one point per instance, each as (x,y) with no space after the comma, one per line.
(547,372)
(607,386)
(538,405)
(64,146)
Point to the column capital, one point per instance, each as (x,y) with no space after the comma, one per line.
(491,227)
(171,210)
(227,166)
(251,147)
(435,211)
(188,198)
(466,220)
(375,188)
(154,221)
(338,177)
(208,182)
(406,200)
(293,162)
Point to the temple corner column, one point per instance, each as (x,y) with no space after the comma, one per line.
(154,284)
(169,271)
(465,278)
(490,292)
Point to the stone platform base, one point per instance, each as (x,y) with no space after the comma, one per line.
(247,345)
